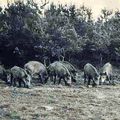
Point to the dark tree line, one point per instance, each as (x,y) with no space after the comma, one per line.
(61,32)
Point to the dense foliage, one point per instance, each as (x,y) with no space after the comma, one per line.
(60,32)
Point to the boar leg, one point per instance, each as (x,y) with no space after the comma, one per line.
(54,79)
(14,81)
(88,83)
(24,82)
(11,80)
(94,83)
(100,81)
(85,77)
(41,79)
(109,79)
(19,82)
(59,81)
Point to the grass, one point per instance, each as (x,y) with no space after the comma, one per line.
(53,102)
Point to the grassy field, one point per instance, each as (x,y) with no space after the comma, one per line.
(60,103)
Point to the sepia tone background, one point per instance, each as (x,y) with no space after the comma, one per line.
(95,5)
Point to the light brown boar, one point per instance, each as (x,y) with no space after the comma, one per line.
(37,69)
(106,74)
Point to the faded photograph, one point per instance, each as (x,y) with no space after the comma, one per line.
(59,60)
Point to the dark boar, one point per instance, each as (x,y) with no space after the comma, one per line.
(3,75)
(91,73)
(58,70)
(17,74)
(72,70)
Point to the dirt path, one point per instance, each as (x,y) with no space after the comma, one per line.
(60,103)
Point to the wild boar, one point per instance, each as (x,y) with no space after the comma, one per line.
(36,68)
(17,74)
(91,73)
(106,74)
(57,69)
(3,73)
(72,70)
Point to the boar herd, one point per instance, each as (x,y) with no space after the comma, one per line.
(56,72)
